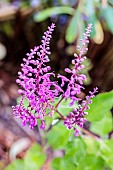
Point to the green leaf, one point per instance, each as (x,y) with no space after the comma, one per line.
(91,162)
(16,165)
(101,105)
(46,13)
(104,126)
(89,7)
(72,29)
(64,107)
(76,149)
(106,152)
(63,164)
(99,34)
(34,158)
(92,146)
(74,153)
(108,15)
(58,136)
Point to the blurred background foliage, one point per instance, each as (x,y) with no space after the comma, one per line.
(22,23)
(76,14)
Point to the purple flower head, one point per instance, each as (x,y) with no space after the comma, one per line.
(76,118)
(75,83)
(36,85)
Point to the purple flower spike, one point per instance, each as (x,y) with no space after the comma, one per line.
(35,82)
(77,116)
(75,84)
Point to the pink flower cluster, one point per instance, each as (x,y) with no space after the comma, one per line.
(76,117)
(36,87)
(40,91)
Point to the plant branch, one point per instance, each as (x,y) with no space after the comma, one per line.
(90,134)
(63,117)
(59,102)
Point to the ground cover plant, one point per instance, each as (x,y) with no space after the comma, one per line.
(55,107)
